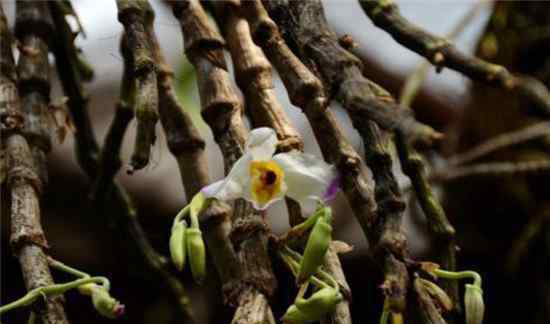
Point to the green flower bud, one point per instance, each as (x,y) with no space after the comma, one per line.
(105,304)
(316,247)
(294,316)
(473,304)
(313,308)
(197,253)
(320,303)
(177,245)
(87,289)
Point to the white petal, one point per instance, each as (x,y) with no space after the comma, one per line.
(261,143)
(309,179)
(235,185)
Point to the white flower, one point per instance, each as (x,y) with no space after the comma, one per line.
(262,178)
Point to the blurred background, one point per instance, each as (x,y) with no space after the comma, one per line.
(82,239)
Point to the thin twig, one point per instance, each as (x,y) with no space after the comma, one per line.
(499,142)
(442,53)
(491,169)
(27,239)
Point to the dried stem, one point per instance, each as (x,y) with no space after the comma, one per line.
(27,239)
(305,28)
(442,53)
(222,111)
(109,160)
(134,15)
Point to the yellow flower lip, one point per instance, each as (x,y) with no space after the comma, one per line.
(267,181)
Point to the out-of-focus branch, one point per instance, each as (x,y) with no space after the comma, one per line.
(134,14)
(121,207)
(305,28)
(442,53)
(67,62)
(501,141)
(222,111)
(27,240)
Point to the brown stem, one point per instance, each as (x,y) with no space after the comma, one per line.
(442,53)
(222,111)
(187,146)
(134,15)
(27,240)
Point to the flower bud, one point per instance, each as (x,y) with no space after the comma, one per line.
(473,304)
(197,253)
(177,245)
(87,289)
(320,303)
(294,316)
(316,248)
(105,304)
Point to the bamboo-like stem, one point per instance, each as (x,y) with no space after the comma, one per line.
(306,30)
(134,14)
(253,74)
(187,146)
(442,53)
(222,111)
(27,239)
(67,62)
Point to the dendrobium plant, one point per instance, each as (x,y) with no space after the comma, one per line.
(262,178)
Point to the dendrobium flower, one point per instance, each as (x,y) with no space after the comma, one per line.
(263,178)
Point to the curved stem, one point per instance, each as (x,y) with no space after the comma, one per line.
(459,275)
(56,289)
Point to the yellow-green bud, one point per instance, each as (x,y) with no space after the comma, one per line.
(177,245)
(105,304)
(313,308)
(87,289)
(294,316)
(316,247)
(320,303)
(197,253)
(473,304)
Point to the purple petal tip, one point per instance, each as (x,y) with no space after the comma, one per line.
(119,310)
(332,189)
